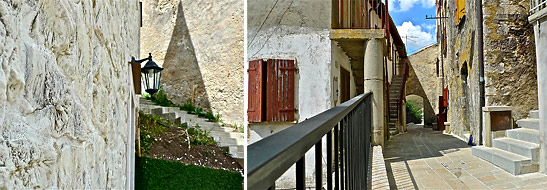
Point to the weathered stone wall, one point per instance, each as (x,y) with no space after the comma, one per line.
(461,71)
(508,61)
(509,56)
(200,44)
(423,81)
(64,92)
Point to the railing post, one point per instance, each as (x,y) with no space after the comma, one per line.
(301,173)
(329,160)
(272,187)
(318,165)
(336,158)
(342,154)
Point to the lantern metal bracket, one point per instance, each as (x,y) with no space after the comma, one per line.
(141,60)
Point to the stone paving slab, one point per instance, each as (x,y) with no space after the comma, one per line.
(427,159)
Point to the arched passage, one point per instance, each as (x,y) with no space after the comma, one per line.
(414,109)
(414,87)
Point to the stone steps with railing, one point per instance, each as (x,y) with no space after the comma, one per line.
(228,138)
(394,88)
(517,152)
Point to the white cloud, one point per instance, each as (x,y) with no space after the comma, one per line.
(405,5)
(418,36)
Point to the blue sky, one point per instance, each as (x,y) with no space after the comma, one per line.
(409,16)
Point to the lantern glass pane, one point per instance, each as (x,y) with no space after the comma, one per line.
(145,80)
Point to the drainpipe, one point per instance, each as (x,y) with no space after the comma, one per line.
(481,64)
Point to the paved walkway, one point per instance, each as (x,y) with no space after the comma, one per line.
(426,159)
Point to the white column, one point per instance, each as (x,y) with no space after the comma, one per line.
(374,82)
(540,32)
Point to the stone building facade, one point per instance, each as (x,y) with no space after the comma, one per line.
(424,82)
(509,60)
(65,93)
(200,45)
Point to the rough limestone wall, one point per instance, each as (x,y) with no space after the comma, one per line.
(64,92)
(510,57)
(200,44)
(462,55)
(423,81)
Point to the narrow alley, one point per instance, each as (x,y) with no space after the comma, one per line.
(423,158)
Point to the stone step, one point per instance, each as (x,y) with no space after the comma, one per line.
(523,148)
(534,114)
(226,137)
(392,131)
(524,134)
(159,111)
(230,142)
(512,163)
(237,148)
(528,123)
(227,134)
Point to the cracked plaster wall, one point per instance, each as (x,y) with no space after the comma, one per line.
(64,92)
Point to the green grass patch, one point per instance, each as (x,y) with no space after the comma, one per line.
(162,174)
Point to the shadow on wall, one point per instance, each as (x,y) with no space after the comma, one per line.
(414,87)
(182,79)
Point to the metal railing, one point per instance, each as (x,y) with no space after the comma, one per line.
(537,5)
(347,129)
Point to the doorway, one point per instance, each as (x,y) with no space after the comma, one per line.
(344,85)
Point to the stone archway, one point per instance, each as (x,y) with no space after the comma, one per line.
(418,103)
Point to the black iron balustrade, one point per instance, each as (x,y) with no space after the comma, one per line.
(347,128)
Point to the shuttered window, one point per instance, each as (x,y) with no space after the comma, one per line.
(460,10)
(254,110)
(271,90)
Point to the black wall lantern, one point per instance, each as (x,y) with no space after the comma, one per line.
(151,74)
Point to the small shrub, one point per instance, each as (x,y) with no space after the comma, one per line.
(198,136)
(212,117)
(413,111)
(151,126)
(160,99)
(147,96)
(188,106)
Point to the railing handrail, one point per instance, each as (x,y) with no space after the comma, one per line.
(270,157)
(537,5)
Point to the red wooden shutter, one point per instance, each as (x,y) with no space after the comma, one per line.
(280,90)
(254,111)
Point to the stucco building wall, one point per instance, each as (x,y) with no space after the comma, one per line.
(200,45)
(65,94)
(296,30)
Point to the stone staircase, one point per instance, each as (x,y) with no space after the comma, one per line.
(517,152)
(393,100)
(227,138)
